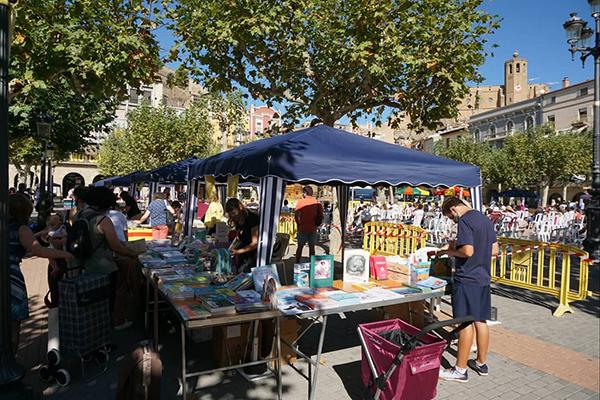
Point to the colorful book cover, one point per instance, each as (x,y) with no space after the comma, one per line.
(192,311)
(432,283)
(356,265)
(379,269)
(406,290)
(317,301)
(240,282)
(321,271)
(217,303)
(343,297)
(302,275)
(262,273)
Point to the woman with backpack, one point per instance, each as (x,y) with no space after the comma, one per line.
(161,214)
(103,240)
(22,242)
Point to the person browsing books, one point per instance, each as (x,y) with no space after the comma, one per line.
(474,247)
(308,215)
(246,223)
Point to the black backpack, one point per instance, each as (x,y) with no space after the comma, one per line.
(79,242)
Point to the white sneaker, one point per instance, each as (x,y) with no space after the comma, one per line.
(452,374)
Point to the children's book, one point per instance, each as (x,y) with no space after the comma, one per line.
(262,273)
(302,275)
(321,271)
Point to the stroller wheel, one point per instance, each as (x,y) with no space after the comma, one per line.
(45,373)
(63,378)
(53,357)
(101,356)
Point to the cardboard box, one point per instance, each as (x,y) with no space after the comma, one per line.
(289,333)
(230,344)
(413,313)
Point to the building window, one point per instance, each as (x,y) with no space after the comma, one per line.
(133,96)
(477,135)
(551,120)
(510,68)
(583,115)
(259,126)
(583,92)
(529,122)
(510,127)
(551,100)
(492,130)
(518,68)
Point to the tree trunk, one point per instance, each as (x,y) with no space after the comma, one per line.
(545,191)
(564,193)
(392,197)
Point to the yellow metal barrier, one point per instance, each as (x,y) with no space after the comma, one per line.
(391,238)
(535,266)
(287,224)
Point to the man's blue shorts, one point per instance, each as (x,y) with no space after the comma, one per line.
(472,300)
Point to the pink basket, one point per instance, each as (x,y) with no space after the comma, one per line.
(417,375)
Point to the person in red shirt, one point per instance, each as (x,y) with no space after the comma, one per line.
(308,215)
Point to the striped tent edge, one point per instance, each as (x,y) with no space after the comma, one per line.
(272,192)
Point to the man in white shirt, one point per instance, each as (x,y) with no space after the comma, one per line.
(418,215)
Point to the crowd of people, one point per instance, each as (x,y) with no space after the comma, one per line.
(559,221)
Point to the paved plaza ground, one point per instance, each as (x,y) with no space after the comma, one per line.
(533,355)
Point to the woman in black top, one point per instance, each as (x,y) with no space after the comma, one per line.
(131,207)
(246,223)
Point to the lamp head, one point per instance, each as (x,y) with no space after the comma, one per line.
(594,7)
(573,28)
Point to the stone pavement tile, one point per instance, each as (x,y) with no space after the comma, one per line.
(581,395)
(537,321)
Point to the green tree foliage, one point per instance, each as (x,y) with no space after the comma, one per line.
(335,58)
(74,118)
(158,136)
(469,151)
(539,157)
(73,60)
(98,47)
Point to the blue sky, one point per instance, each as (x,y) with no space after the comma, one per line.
(533,27)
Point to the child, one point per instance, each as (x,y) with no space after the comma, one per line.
(55,235)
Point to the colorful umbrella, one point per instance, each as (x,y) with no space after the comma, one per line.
(414,191)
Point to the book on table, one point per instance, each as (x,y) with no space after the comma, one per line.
(317,301)
(217,304)
(192,311)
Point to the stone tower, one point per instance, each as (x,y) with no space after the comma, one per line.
(516,86)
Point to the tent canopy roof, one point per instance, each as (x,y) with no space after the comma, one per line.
(172,173)
(322,154)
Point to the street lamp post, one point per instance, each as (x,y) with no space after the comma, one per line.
(578,36)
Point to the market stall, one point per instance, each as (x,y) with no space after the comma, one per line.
(324,155)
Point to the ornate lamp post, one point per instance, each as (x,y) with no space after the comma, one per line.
(578,38)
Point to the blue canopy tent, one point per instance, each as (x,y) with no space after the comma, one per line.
(517,193)
(325,155)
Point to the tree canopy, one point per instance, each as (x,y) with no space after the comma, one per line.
(335,58)
(73,61)
(158,136)
(538,157)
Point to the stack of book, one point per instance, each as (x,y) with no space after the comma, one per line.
(217,304)
(247,301)
(192,311)
(173,257)
(241,281)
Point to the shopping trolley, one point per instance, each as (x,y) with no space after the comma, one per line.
(405,371)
